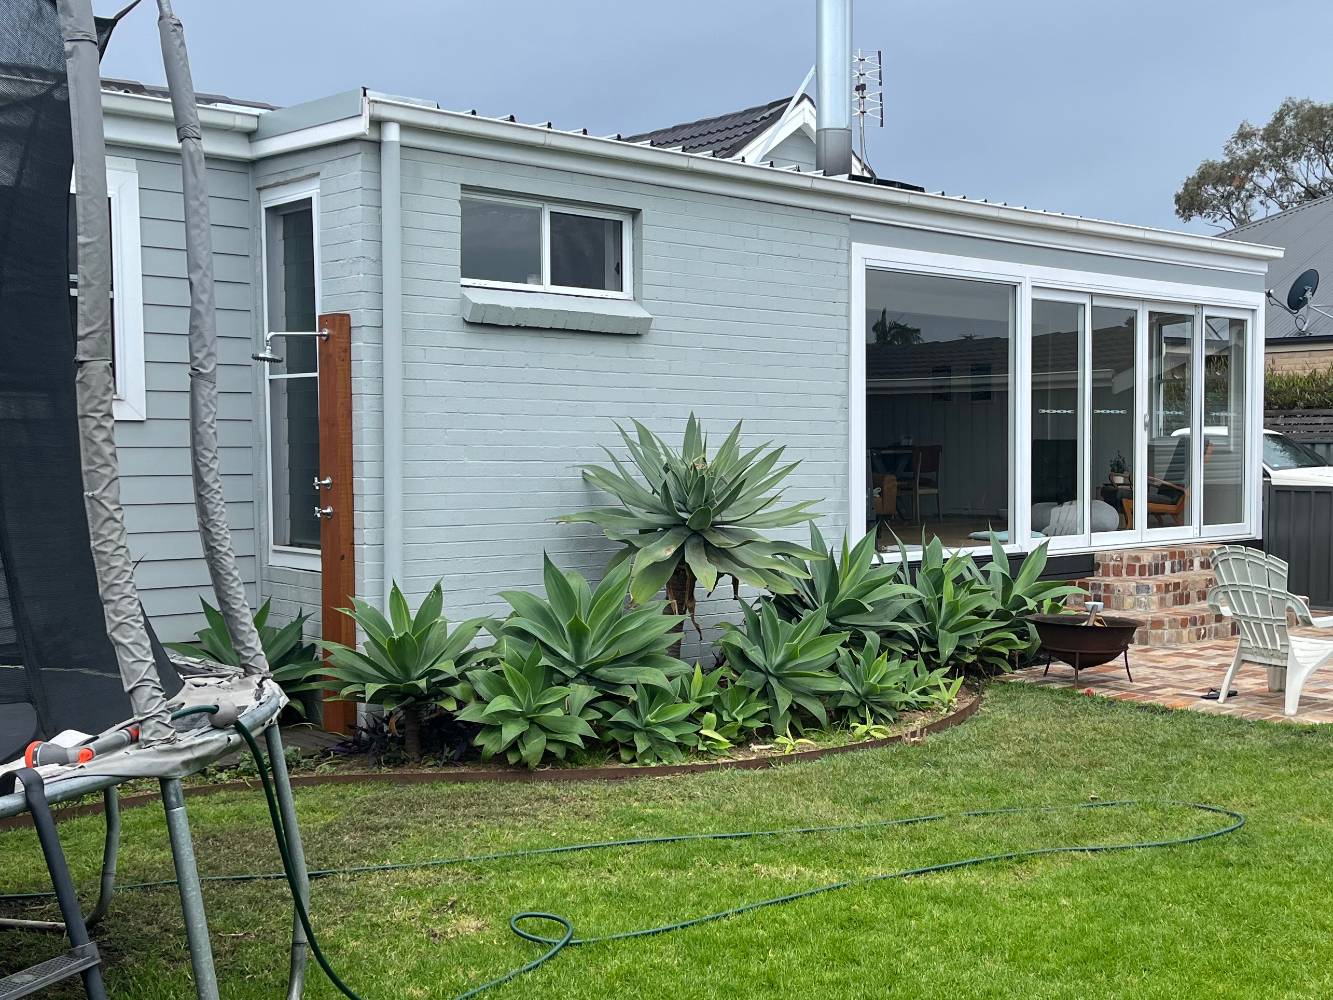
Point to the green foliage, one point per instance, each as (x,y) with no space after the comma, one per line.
(522,714)
(1282,164)
(589,637)
(787,662)
(1299,390)
(877,685)
(289,657)
(855,592)
(728,713)
(1016,597)
(654,726)
(408,661)
(706,514)
(282,645)
(957,622)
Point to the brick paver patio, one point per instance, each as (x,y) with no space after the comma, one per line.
(1177,676)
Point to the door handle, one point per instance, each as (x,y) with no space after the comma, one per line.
(323,484)
(321,512)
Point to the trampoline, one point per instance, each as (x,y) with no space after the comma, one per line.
(88,696)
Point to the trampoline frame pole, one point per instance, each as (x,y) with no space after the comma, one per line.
(191,891)
(110,854)
(282,783)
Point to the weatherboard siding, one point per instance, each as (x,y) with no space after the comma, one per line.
(155,452)
(749,304)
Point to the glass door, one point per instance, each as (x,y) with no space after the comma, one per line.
(1225,425)
(1058,420)
(1113,421)
(1168,493)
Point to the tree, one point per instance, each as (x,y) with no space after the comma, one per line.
(1263,170)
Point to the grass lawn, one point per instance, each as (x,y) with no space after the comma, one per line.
(1246,915)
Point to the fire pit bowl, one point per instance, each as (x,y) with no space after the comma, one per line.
(1070,638)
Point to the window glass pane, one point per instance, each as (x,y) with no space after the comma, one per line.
(1281,452)
(1223,420)
(502,242)
(1170,418)
(290,280)
(1111,436)
(1057,418)
(294,425)
(586,252)
(937,407)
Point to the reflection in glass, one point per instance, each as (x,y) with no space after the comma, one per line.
(938,462)
(1057,348)
(1224,420)
(1170,419)
(586,252)
(501,241)
(1111,436)
(294,420)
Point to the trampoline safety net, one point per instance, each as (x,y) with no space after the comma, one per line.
(57,667)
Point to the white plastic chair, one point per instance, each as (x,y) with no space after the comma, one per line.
(1252,589)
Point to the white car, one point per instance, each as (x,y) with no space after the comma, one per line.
(1290,463)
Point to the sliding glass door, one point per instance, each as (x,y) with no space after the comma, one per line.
(1225,424)
(1113,435)
(1168,493)
(1058,420)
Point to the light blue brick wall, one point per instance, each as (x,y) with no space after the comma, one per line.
(349,282)
(750,307)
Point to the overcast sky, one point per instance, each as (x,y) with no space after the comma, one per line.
(1096,107)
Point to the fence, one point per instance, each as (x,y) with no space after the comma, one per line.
(1312,428)
(1298,527)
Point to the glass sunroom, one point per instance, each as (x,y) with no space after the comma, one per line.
(1093,409)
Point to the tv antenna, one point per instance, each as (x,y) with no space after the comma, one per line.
(1300,299)
(867,91)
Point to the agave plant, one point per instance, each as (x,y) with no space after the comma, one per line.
(728,712)
(1016,597)
(522,713)
(877,684)
(696,518)
(589,636)
(956,623)
(856,592)
(654,726)
(787,662)
(288,656)
(409,663)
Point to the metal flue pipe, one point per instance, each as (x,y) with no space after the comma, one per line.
(210,506)
(95,381)
(833,86)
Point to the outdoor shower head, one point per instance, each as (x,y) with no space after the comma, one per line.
(269,358)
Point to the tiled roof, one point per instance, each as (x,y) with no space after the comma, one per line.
(722,135)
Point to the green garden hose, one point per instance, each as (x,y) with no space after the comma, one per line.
(555,945)
(566,937)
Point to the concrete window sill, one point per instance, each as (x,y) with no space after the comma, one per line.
(547,311)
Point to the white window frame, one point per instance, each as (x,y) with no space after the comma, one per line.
(626,220)
(287,556)
(1146,293)
(130,401)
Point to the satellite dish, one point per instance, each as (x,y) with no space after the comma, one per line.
(1302,290)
